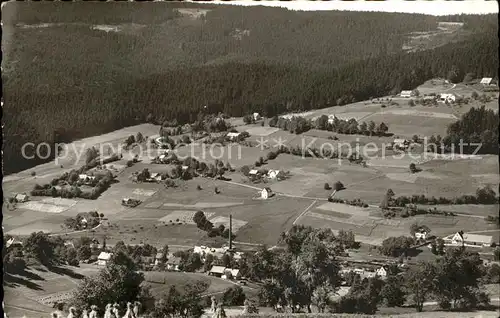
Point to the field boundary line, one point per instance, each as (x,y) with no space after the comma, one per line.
(304,212)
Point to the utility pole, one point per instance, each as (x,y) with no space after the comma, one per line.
(230,232)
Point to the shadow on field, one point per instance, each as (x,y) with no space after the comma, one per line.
(65,271)
(15,281)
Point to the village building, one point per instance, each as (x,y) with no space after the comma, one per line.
(331,119)
(256,116)
(273,174)
(253,172)
(203,251)
(447,98)
(103,258)
(158,258)
(486,80)
(400,143)
(233,135)
(217,271)
(155,177)
(230,273)
(407,94)
(381,272)
(266,193)
(12,242)
(21,197)
(173,263)
(86,178)
(471,240)
(421,235)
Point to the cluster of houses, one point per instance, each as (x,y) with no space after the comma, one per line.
(365,272)
(86,179)
(216,252)
(270,174)
(171,262)
(401,144)
(225,272)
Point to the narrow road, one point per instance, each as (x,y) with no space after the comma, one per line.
(75,232)
(277,193)
(305,211)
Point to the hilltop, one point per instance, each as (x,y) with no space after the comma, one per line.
(68,75)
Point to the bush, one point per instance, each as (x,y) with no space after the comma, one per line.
(327,186)
(338,186)
(234,296)
(33,173)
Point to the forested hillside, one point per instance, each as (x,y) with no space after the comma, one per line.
(77,80)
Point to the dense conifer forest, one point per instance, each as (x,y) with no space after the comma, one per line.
(67,80)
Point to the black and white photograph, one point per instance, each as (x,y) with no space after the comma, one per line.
(252,159)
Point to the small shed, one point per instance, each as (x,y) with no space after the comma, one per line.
(21,197)
(256,116)
(103,258)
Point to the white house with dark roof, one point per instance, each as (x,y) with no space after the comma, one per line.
(217,271)
(273,174)
(233,135)
(266,193)
(446,97)
(486,80)
(103,258)
(406,94)
(381,272)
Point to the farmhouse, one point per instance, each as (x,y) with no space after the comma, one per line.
(158,258)
(253,172)
(21,197)
(407,94)
(86,178)
(233,135)
(230,273)
(13,242)
(401,143)
(266,193)
(154,177)
(331,119)
(470,239)
(273,174)
(447,98)
(421,235)
(217,271)
(486,80)
(256,116)
(103,258)
(173,263)
(381,272)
